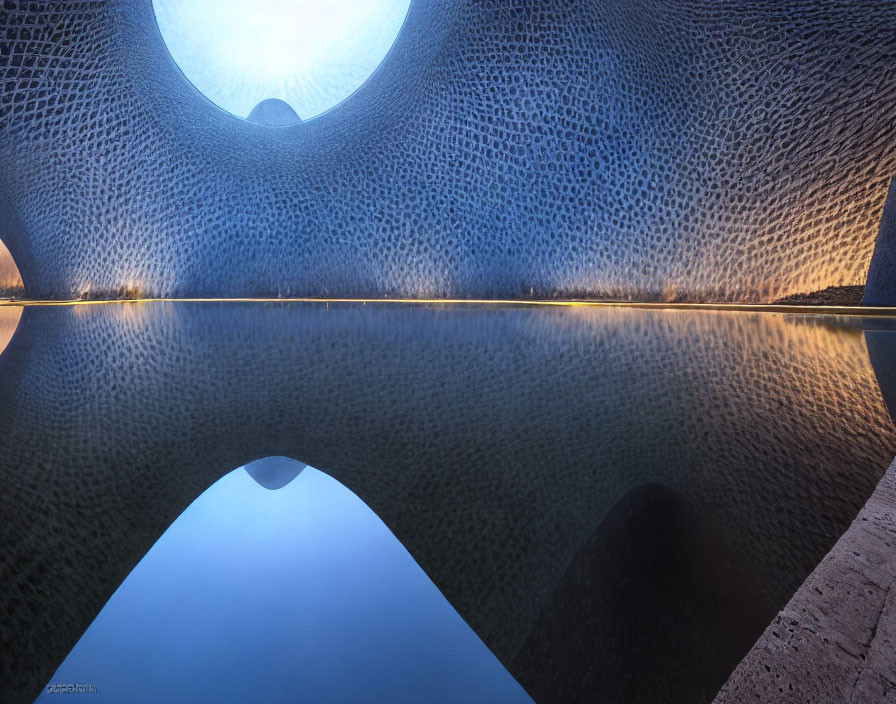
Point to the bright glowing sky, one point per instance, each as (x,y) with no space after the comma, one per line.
(312,54)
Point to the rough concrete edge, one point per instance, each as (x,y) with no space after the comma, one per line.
(835,641)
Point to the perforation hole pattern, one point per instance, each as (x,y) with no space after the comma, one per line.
(637,149)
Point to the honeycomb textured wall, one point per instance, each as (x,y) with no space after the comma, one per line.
(644,148)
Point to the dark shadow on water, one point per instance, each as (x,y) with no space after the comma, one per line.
(656,587)
(882,351)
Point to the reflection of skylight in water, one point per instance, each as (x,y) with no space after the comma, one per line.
(312,54)
(279,584)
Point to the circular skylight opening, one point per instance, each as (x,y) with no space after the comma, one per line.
(279,61)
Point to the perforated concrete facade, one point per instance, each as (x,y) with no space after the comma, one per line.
(635,148)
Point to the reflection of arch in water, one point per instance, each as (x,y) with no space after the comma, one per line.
(882,352)
(657,582)
(406,408)
(288,587)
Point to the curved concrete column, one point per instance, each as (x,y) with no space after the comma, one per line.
(880,289)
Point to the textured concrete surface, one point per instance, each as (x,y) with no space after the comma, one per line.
(453,424)
(655,579)
(696,149)
(835,641)
(831,296)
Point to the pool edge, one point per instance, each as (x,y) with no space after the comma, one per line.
(834,640)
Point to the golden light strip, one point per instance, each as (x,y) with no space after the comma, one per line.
(743,307)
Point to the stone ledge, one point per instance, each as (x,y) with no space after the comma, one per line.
(835,641)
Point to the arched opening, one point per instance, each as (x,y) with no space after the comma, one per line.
(278,584)
(11,285)
(279,62)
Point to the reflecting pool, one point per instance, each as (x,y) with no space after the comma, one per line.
(501,502)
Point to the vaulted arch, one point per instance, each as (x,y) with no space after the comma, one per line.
(679,150)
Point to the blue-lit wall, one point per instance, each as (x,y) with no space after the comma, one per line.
(881,285)
(645,148)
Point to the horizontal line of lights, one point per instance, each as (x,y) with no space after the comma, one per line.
(745,307)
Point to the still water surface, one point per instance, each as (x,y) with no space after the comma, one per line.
(502,503)
(292,593)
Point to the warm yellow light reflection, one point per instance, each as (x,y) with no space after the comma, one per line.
(748,307)
(10,280)
(9,321)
